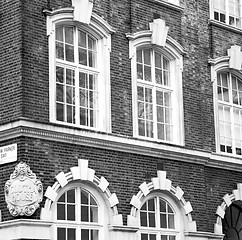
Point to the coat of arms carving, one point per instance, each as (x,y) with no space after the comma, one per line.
(23,191)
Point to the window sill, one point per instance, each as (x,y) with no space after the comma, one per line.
(225,26)
(169,5)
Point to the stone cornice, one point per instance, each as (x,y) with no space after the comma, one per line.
(101,140)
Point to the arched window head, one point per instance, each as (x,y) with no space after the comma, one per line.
(159,219)
(79,72)
(232,227)
(79,214)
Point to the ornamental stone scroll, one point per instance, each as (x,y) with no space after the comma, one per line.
(23,191)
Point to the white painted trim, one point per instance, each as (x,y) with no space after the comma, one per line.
(173,51)
(25,229)
(59,133)
(102,31)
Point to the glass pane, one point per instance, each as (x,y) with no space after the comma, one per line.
(70,114)
(71,212)
(92,201)
(82,39)
(71,234)
(84,234)
(94,234)
(151,205)
(59,93)
(59,33)
(69,53)
(157,60)
(69,95)
(62,198)
(82,80)
(139,72)
(93,214)
(83,117)
(83,98)
(172,238)
(60,112)
(160,114)
(147,59)
(59,50)
(71,196)
(158,76)
(162,206)
(84,213)
(164,237)
(159,98)
(151,219)
(61,212)
(92,59)
(144,236)
(91,43)
(59,74)
(139,56)
(69,35)
(61,234)
(163,222)
(70,77)
(148,95)
(147,73)
(141,124)
(140,91)
(152,237)
(161,131)
(84,197)
(82,56)
(143,219)
(171,222)
(149,129)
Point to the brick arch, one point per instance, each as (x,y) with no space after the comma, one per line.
(164,184)
(228,199)
(84,173)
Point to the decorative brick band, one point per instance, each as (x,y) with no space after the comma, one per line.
(81,172)
(163,184)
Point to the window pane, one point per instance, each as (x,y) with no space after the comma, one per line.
(59,50)
(69,35)
(144,236)
(59,74)
(61,234)
(151,219)
(82,39)
(139,72)
(71,234)
(94,234)
(143,219)
(84,234)
(147,73)
(84,213)
(84,197)
(71,212)
(147,58)
(141,124)
(151,205)
(93,214)
(61,212)
(139,56)
(60,112)
(163,221)
(59,33)
(69,53)
(171,221)
(82,56)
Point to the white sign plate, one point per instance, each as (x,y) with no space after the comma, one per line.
(8,153)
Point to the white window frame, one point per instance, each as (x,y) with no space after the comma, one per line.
(178,220)
(103,217)
(101,31)
(226,12)
(172,51)
(222,64)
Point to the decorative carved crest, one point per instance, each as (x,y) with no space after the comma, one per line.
(23,191)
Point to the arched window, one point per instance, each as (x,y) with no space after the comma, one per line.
(79,214)
(79,72)
(157,65)
(229,97)
(232,221)
(159,219)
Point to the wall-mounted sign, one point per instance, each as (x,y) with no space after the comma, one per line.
(8,153)
(23,191)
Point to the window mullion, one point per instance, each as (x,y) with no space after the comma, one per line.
(77,100)
(231,114)
(154,94)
